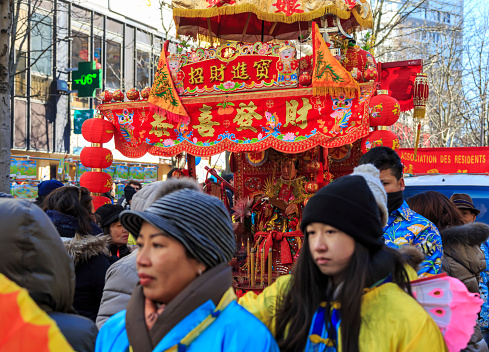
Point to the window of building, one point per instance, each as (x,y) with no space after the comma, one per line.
(113,45)
(41,58)
(98,21)
(79,48)
(41,38)
(80,52)
(142,71)
(113,67)
(41,135)
(98,51)
(129,61)
(20,81)
(143,37)
(446,18)
(80,15)
(20,121)
(40,87)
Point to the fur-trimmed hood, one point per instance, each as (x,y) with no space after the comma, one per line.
(412,255)
(82,248)
(469,235)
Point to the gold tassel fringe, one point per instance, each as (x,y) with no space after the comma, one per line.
(350,93)
(416,143)
(419,113)
(270,17)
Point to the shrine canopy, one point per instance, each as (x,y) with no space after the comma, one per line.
(289,120)
(249,21)
(248,98)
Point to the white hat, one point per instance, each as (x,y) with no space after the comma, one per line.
(372,176)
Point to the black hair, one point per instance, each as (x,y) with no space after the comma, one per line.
(134,182)
(309,287)
(170,174)
(437,208)
(383,158)
(73,201)
(228,177)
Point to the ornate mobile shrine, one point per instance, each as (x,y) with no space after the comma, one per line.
(291,121)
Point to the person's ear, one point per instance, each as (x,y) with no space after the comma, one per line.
(200,269)
(402,185)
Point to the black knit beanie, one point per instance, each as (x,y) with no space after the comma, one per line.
(348,205)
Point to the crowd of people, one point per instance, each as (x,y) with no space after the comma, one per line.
(349,291)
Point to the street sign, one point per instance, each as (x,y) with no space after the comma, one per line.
(86,79)
(79,116)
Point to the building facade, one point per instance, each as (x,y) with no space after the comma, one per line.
(123,37)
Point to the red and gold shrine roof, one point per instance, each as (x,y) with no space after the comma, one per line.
(264,20)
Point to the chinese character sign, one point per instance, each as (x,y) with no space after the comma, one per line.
(235,67)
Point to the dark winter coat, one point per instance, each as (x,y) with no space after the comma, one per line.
(33,256)
(462,255)
(90,256)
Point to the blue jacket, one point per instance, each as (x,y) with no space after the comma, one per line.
(235,329)
(405,227)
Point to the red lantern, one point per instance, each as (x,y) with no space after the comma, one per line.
(96,182)
(98,201)
(380,138)
(371,74)
(132,94)
(384,110)
(421,93)
(97,130)
(118,95)
(305,79)
(96,157)
(145,93)
(106,96)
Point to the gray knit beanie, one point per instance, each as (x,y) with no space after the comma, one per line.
(371,174)
(153,191)
(197,220)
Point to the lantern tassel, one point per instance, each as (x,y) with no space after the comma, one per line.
(416,143)
(419,112)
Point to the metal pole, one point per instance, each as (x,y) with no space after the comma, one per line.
(28,107)
(55,97)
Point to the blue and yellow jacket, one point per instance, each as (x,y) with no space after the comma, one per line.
(407,228)
(392,320)
(234,329)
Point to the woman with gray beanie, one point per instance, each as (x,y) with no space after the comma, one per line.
(185,300)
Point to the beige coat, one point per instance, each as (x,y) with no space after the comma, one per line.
(462,255)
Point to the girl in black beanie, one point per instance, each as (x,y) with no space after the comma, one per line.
(348,292)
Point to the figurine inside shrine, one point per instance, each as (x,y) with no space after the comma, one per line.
(283,199)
